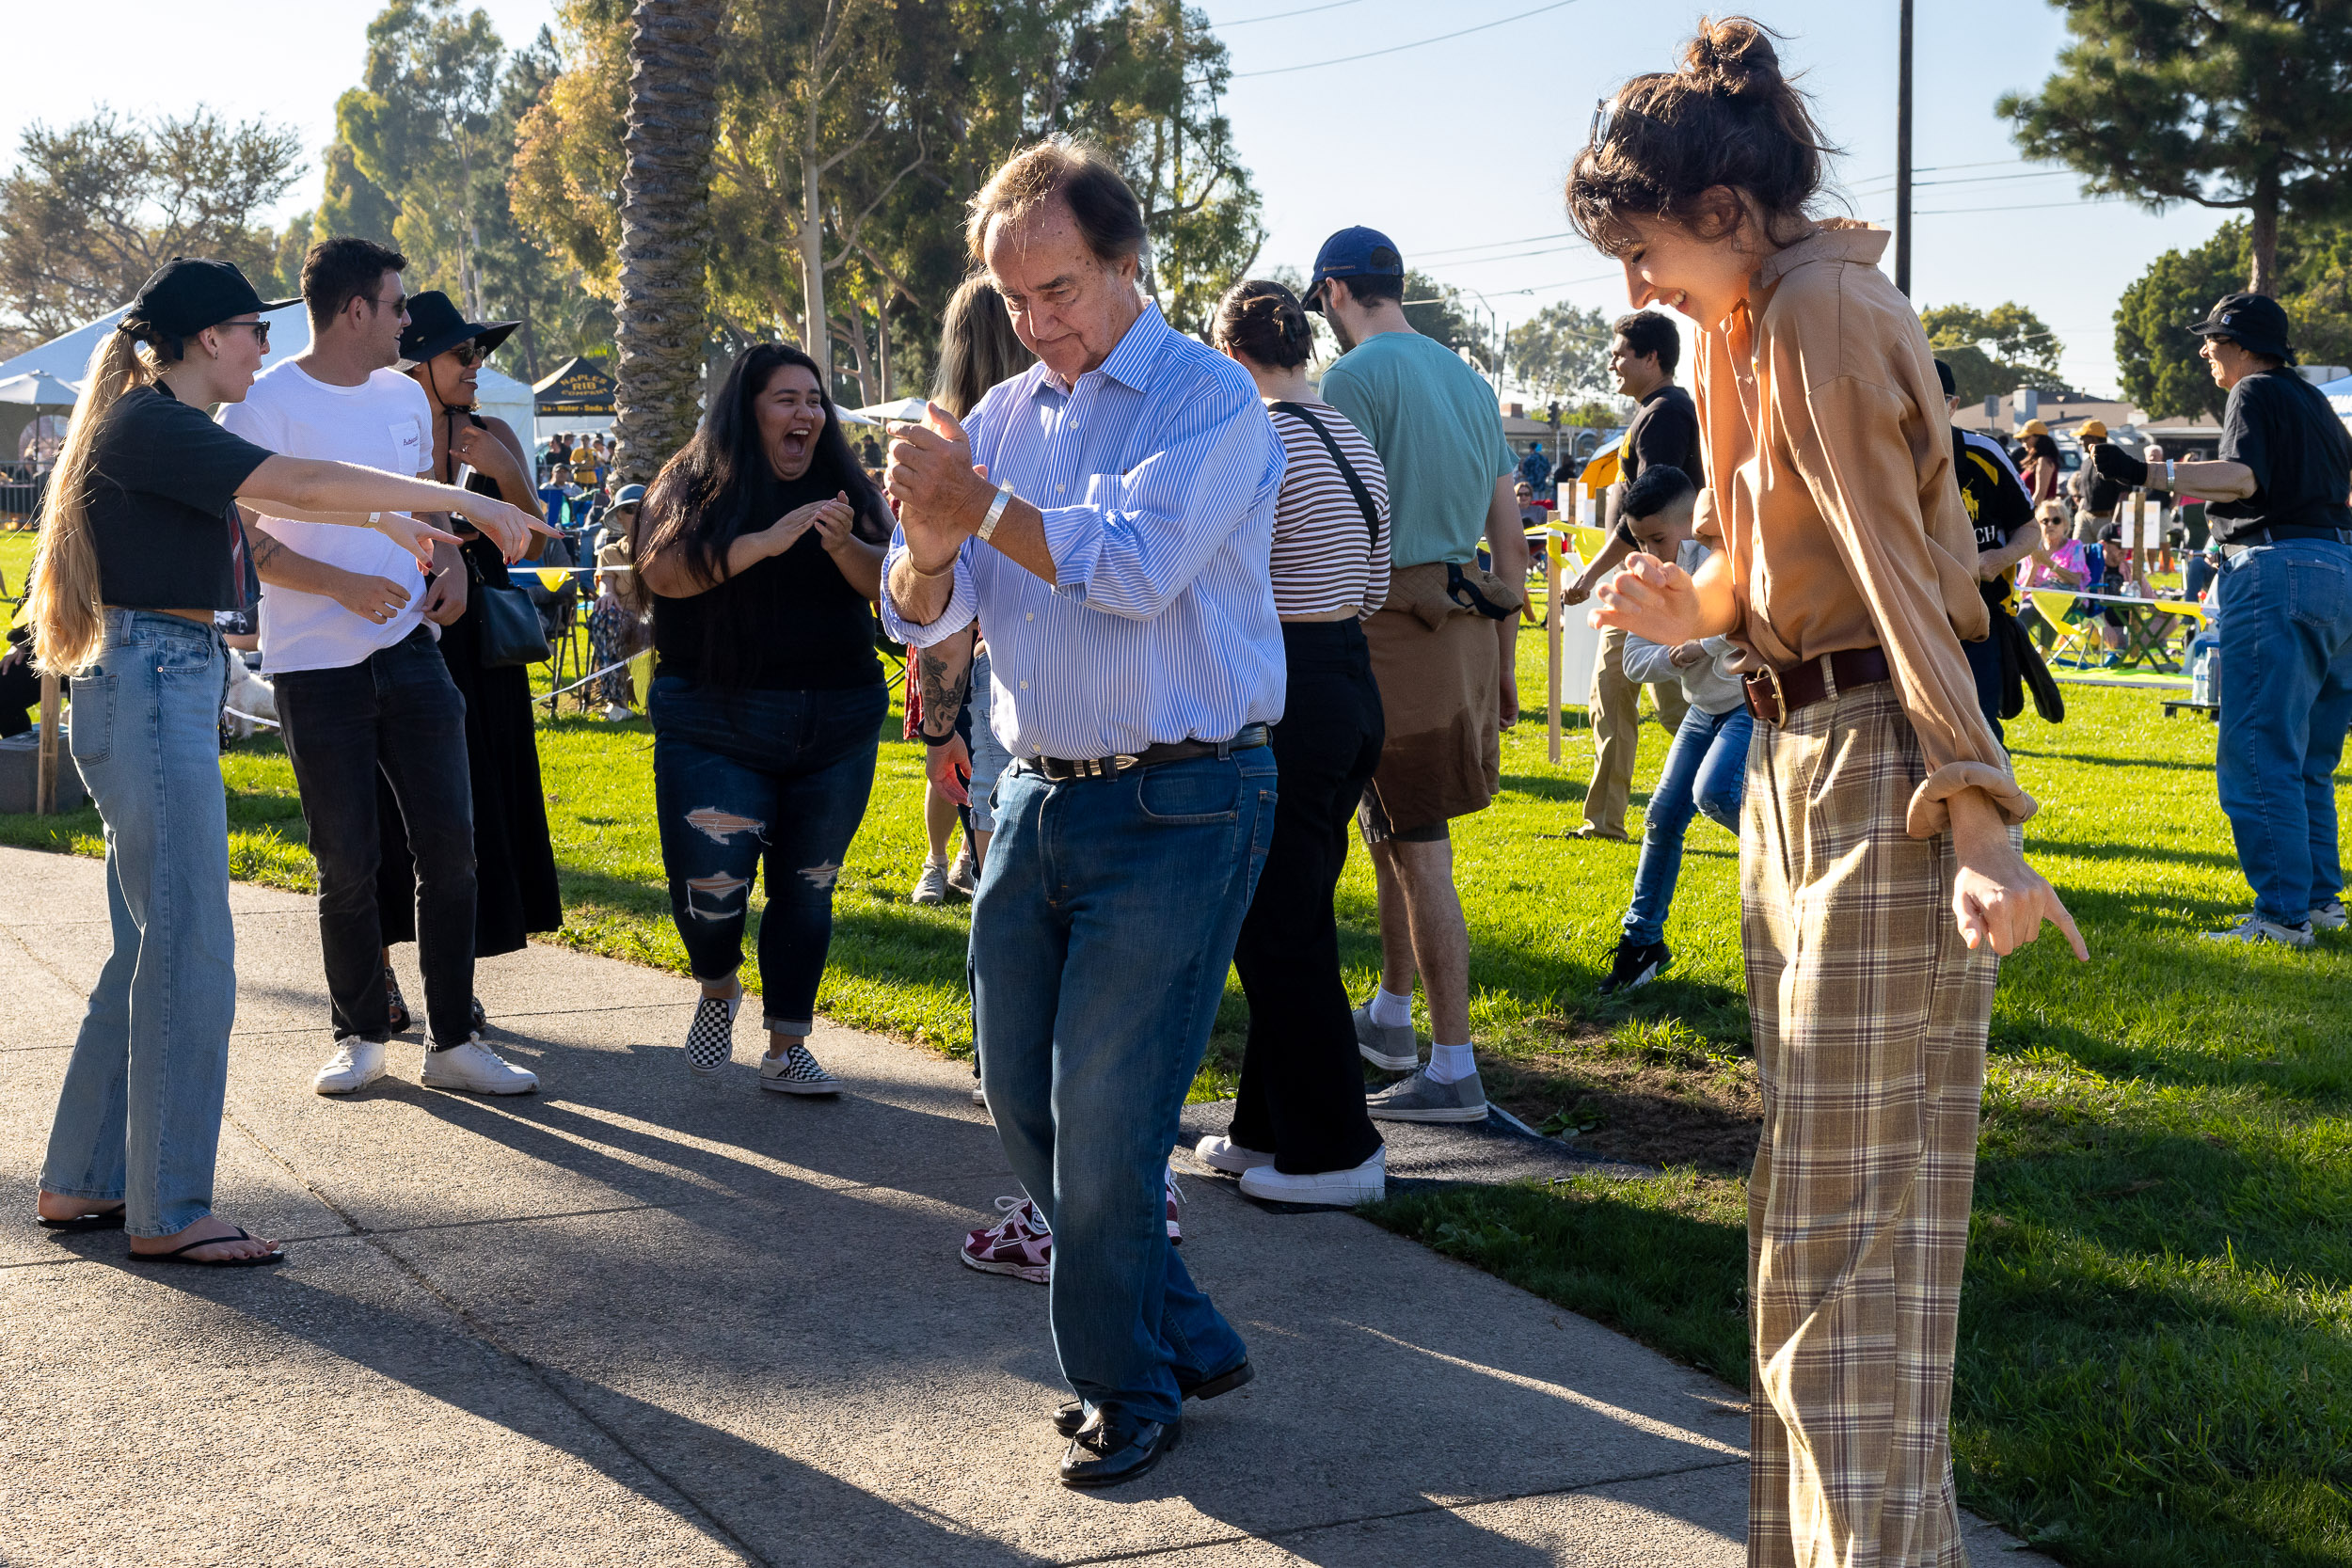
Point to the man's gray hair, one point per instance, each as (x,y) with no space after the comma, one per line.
(1084,179)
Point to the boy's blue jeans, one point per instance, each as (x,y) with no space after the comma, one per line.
(1101,937)
(2286,656)
(1705,770)
(139,1117)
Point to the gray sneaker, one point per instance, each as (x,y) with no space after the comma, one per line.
(2251,927)
(1421,1098)
(1396,1048)
(2327,916)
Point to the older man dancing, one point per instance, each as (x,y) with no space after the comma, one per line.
(1108,520)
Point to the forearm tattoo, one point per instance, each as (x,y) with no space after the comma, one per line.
(266,548)
(943,691)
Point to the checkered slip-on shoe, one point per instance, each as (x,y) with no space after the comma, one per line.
(796,1072)
(711,1038)
(1018,1244)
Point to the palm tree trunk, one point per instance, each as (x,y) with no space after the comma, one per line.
(2263,235)
(666,198)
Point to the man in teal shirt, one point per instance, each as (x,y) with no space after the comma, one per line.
(1443,651)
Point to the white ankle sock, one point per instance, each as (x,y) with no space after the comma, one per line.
(1448,1063)
(1390,1011)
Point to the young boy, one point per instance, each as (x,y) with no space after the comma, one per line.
(1708,759)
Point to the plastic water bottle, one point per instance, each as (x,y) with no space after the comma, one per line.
(2201,673)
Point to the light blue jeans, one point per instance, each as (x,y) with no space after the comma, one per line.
(138,1118)
(1103,927)
(2286,657)
(1707,769)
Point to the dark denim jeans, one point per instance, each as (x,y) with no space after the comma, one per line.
(1302,1084)
(1101,938)
(741,776)
(397,713)
(1707,769)
(2286,654)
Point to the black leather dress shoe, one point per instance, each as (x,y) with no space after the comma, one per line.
(1071,1417)
(1116,1446)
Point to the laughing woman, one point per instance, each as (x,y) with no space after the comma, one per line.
(140,546)
(762,546)
(1880,869)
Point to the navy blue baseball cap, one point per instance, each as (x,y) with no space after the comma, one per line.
(2254,321)
(1357,252)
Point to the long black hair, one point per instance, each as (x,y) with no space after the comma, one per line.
(710,493)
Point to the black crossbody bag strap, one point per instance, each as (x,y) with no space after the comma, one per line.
(1347,470)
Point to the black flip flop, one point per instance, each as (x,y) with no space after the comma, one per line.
(179,1255)
(105,1219)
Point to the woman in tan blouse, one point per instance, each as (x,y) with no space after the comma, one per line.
(1881,870)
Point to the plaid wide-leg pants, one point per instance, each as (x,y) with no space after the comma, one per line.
(1870,1016)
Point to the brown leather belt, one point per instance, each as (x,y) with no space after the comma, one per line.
(1773,694)
(1062,769)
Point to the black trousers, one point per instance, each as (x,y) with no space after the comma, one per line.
(397,714)
(1302,1089)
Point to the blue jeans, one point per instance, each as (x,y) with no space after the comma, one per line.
(740,777)
(2286,651)
(138,1118)
(1101,937)
(1706,770)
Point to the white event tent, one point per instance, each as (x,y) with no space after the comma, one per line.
(67,358)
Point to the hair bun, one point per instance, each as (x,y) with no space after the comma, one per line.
(1734,58)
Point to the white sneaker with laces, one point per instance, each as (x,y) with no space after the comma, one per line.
(1229,1157)
(2252,928)
(356,1064)
(1337,1189)
(979,1095)
(2327,916)
(931,886)
(476,1069)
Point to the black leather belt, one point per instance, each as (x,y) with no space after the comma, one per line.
(1772,695)
(1062,769)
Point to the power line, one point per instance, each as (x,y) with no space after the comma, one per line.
(1277,16)
(1493,245)
(2020,207)
(1400,48)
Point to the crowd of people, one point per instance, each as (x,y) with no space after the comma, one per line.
(1179,620)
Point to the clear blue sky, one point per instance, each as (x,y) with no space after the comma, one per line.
(1456,149)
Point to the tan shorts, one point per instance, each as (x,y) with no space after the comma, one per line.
(1440,693)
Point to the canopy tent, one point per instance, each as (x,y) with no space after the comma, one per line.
(66,357)
(39,389)
(579,387)
(2339,395)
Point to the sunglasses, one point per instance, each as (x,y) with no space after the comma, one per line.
(468,355)
(261,330)
(1604,122)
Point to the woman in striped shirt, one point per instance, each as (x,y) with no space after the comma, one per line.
(1301,1134)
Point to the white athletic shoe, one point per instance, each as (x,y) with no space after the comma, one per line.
(1336,1189)
(2327,916)
(476,1069)
(616,714)
(2251,927)
(1229,1157)
(931,886)
(356,1064)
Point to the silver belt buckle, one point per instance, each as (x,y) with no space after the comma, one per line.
(1780,697)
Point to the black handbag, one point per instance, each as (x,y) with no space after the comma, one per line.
(510,631)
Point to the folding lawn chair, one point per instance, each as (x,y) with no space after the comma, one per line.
(2078,641)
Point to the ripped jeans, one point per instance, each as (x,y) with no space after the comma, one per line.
(740,776)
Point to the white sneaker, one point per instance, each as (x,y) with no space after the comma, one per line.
(979,1095)
(356,1064)
(1336,1189)
(2252,928)
(616,714)
(2327,916)
(1228,1156)
(477,1069)
(931,886)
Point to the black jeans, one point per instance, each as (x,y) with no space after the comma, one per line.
(396,713)
(1302,1091)
(746,780)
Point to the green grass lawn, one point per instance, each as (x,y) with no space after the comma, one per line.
(2155,1358)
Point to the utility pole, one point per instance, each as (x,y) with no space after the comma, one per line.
(1902,160)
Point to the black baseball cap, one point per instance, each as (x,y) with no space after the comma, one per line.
(1357,252)
(1943,374)
(435,326)
(186,297)
(2254,321)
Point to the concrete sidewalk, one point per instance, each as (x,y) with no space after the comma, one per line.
(645,1317)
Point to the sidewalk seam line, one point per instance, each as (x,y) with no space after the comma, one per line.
(477,1331)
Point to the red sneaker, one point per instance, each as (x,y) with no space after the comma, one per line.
(1019,1244)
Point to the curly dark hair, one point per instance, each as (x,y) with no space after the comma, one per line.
(1264,322)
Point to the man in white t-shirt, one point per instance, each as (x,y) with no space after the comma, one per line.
(348,636)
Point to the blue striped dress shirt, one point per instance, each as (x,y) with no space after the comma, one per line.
(1156,472)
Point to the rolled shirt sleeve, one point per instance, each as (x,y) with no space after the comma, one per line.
(962,602)
(1856,459)
(1140,538)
